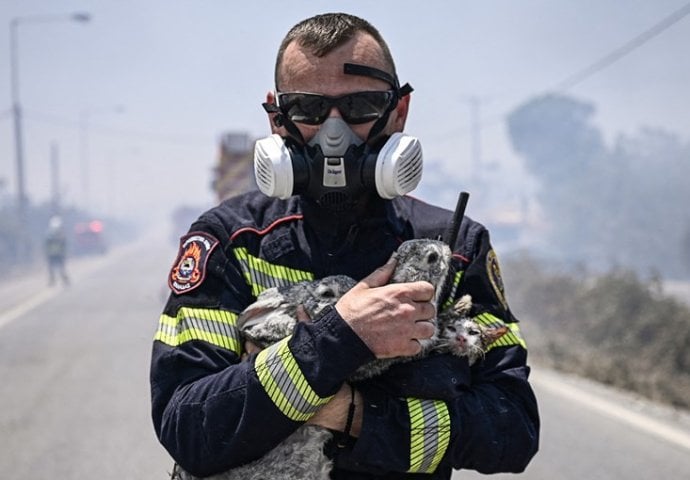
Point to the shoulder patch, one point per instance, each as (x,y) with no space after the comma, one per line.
(494,273)
(189,269)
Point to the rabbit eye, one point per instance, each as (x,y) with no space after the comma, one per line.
(432,258)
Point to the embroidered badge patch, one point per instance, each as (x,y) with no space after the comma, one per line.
(494,273)
(189,269)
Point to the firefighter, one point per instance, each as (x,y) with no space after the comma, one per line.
(333,179)
(56,251)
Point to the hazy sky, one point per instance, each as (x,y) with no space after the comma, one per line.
(182,72)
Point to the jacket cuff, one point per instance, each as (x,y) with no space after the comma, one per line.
(327,351)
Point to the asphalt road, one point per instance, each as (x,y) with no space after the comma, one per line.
(74,398)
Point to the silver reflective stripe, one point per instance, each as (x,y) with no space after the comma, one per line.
(261,275)
(429,434)
(285,384)
(217,327)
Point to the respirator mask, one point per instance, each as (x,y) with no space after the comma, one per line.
(336,168)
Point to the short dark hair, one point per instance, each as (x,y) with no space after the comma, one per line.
(323,33)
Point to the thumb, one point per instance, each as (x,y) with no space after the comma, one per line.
(381,275)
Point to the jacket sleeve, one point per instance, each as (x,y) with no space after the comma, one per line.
(213,411)
(438,413)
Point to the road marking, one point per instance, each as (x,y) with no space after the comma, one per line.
(611,409)
(18,310)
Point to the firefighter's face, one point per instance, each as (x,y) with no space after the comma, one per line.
(301,71)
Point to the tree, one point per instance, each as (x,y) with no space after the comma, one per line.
(564,153)
(605,207)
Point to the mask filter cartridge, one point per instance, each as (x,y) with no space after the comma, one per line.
(273,167)
(398,166)
(282,171)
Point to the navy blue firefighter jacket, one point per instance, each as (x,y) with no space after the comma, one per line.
(213,411)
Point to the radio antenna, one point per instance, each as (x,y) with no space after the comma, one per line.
(454,228)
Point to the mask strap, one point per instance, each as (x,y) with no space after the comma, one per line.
(373,72)
(350,69)
(398,91)
(281,120)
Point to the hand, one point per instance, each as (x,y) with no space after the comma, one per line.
(333,415)
(389,318)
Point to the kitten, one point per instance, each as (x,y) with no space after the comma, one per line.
(462,336)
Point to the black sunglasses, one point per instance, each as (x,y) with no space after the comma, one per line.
(355,108)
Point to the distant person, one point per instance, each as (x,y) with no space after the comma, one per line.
(56,251)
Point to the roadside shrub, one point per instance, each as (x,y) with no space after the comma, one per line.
(614,328)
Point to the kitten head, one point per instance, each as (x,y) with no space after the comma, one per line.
(462,336)
(466,338)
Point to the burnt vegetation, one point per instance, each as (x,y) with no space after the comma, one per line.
(615,327)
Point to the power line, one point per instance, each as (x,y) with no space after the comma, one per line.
(624,50)
(595,67)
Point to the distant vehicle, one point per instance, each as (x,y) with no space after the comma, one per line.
(89,238)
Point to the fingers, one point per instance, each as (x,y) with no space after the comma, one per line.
(426,310)
(421,291)
(415,348)
(380,276)
(424,330)
(390,318)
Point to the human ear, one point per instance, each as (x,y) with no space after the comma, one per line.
(401,111)
(271,100)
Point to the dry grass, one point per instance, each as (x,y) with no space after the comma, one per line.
(614,328)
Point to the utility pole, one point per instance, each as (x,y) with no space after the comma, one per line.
(55,178)
(17,117)
(22,199)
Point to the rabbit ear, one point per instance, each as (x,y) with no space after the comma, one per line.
(253,315)
(267,302)
(463,306)
(493,334)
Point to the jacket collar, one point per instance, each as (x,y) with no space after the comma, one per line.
(375,217)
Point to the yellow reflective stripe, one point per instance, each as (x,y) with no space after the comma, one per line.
(217,327)
(285,383)
(262,275)
(429,434)
(454,288)
(512,337)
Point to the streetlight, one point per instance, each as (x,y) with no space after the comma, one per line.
(84,117)
(14,85)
